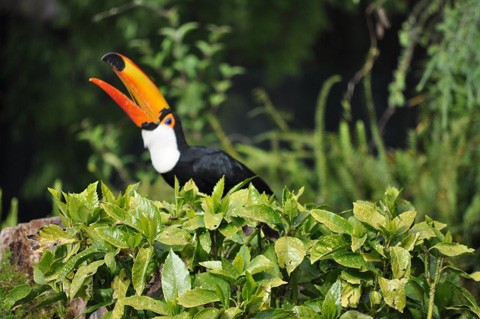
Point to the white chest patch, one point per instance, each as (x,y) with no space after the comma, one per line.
(162,145)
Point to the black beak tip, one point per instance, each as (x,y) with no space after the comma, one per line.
(114,60)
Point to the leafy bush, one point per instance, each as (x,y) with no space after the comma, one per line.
(204,256)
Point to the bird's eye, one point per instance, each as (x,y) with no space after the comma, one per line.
(169,120)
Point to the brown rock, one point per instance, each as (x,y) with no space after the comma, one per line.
(16,239)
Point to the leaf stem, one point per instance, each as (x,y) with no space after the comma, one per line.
(433,286)
(294,282)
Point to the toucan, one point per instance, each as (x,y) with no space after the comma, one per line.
(163,135)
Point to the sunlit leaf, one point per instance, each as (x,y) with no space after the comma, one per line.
(208,313)
(400,261)
(328,246)
(146,303)
(406,219)
(242,259)
(290,252)
(139,269)
(353,314)
(331,305)
(334,222)
(175,277)
(394,292)
(53,235)
(82,274)
(366,213)
(261,213)
(259,264)
(117,236)
(120,284)
(70,265)
(197,297)
(351,295)
(452,249)
(352,260)
(173,236)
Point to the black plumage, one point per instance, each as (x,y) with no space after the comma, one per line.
(207,165)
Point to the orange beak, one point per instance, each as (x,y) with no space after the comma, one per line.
(148,101)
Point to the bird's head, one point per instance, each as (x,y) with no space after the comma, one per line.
(148,109)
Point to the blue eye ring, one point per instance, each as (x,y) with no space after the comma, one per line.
(168,121)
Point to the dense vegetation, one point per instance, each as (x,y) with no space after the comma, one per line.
(205,256)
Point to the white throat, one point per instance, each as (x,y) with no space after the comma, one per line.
(162,145)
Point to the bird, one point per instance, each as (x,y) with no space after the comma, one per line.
(163,135)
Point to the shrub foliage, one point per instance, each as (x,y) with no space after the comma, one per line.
(207,256)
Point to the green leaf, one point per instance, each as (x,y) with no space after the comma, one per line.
(120,285)
(475,276)
(305,312)
(328,246)
(115,235)
(231,313)
(107,193)
(261,213)
(356,277)
(366,213)
(357,242)
(117,213)
(217,192)
(139,269)
(334,222)
(209,281)
(352,260)
(144,216)
(81,275)
(353,314)
(400,261)
(175,277)
(109,259)
(290,252)
(275,314)
(409,241)
(82,207)
(78,258)
(53,235)
(222,268)
(174,236)
(394,292)
(259,264)
(146,303)
(42,267)
(242,259)
(208,313)
(462,299)
(423,230)
(406,219)
(331,305)
(206,242)
(16,294)
(351,295)
(452,249)
(212,221)
(197,297)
